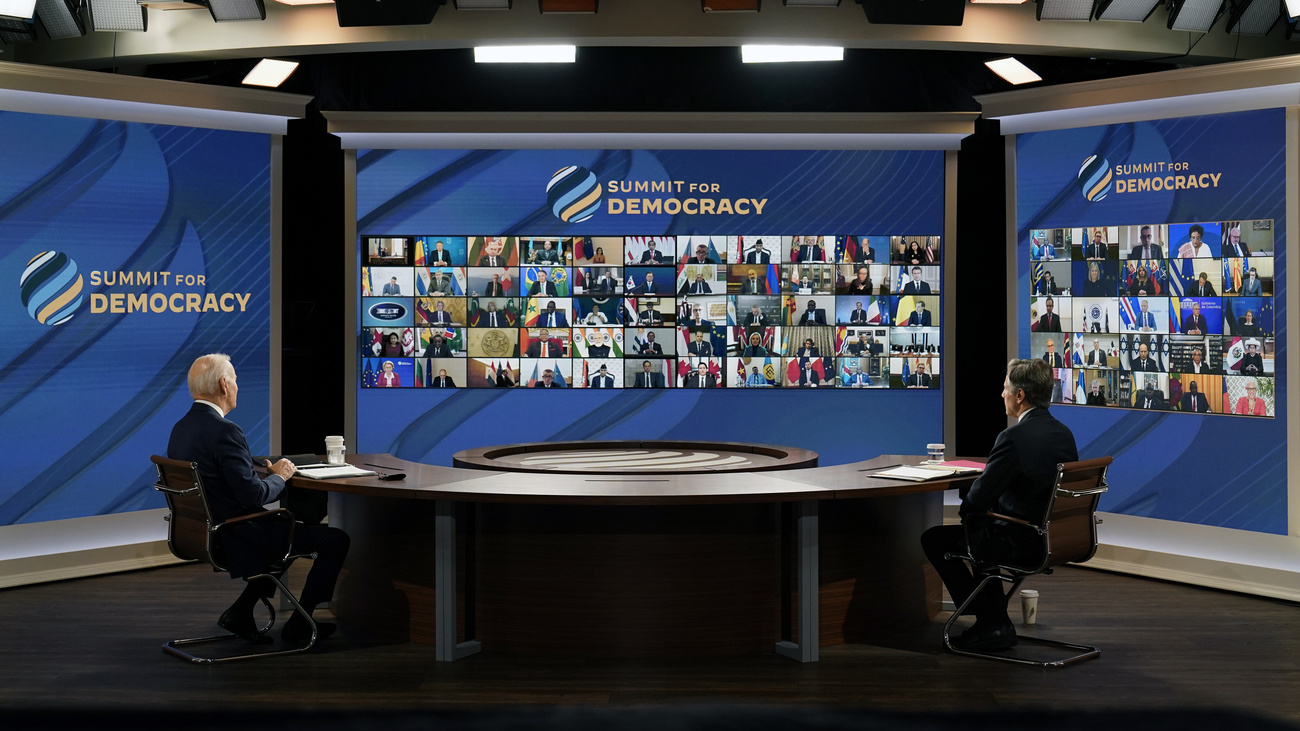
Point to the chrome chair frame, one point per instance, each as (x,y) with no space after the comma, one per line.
(182,506)
(1016,575)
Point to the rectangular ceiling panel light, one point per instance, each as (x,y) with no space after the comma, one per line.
(790,54)
(60,18)
(1013,71)
(229,11)
(270,72)
(1254,18)
(115,15)
(1194,15)
(525,54)
(24,9)
(1064,10)
(16,30)
(1292,8)
(1135,11)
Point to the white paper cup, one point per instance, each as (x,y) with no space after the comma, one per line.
(334,450)
(1029,605)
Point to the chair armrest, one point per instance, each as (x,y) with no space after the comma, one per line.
(1062,492)
(265,514)
(173,491)
(1000,516)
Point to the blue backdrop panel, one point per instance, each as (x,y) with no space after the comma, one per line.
(503,192)
(1215,470)
(83,403)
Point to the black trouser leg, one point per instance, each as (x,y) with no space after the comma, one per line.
(330,546)
(990,607)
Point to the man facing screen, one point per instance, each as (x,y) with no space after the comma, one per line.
(1017,481)
(218,446)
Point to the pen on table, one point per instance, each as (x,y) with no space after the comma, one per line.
(881,469)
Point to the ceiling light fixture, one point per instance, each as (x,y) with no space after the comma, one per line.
(1253,17)
(1064,10)
(525,54)
(61,18)
(790,54)
(1013,71)
(1292,8)
(229,11)
(23,9)
(1194,15)
(1135,11)
(116,15)
(270,72)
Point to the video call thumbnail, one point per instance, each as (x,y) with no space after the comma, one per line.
(1157,316)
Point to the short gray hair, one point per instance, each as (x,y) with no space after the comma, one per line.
(206,374)
(1034,377)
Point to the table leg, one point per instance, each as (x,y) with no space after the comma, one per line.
(807,585)
(444,557)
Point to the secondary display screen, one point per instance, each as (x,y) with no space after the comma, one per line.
(1157,316)
(745,311)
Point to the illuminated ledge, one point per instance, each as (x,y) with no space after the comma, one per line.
(1229,87)
(568,130)
(75,93)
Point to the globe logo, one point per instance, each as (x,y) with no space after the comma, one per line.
(51,288)
(1095,178)
(573,194)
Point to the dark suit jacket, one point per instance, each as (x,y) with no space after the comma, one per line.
(537,288)
(485,319)
(755,286)
(919,380)
(1252,364)
(1196,323)
(755,257)
(1195,402)
(491,261)
(655,380)
(438,352)
(598,351)
(693,381)
(1155,252)
(233,489)
(698,288)
(438,382)
(656,257)
(702,349)
(818,317)
(1095,358)
(1149,365)
(1247,329)
(495,289)
(922,321)
(440,318)
(544,319)
(597,381)
(651,318)
(1054,360)
(751,320)
(809,252)
(439,257)
(651,349)
(1197,290)
(807,377)
(535,350)
(916,288)
(1094,251)
(1021,471)
(1050,323)
(865,254)
(1154,402)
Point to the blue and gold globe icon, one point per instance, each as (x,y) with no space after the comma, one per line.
(51,288)
(1095,178)
(573,194)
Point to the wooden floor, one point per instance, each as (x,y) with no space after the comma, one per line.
(94,643)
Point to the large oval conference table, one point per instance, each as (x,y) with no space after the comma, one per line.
(719,561)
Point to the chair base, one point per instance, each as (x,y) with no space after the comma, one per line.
(174,647)
(1085,652)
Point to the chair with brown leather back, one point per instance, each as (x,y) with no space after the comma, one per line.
(1067,533)
(192,535)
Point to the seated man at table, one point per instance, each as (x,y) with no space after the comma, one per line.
(1017,482)
(218,446)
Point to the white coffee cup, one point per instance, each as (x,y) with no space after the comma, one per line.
(334,450)
(1029,605)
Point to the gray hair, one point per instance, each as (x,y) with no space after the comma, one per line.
(1034,377)
(206,374)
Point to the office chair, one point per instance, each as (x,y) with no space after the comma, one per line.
(1067,533)
(192,535)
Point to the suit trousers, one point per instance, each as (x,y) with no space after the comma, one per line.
(331,547)
(990,607)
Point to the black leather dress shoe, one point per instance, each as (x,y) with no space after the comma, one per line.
(1000,637)
(297,632)
(242,626)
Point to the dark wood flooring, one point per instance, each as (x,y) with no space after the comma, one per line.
(95,643)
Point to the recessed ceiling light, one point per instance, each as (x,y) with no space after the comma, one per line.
(24,9)
(788,54)
(1064,10)
(270,72)
(1013,71)
(1194,15)
(525,54)
(1292,8)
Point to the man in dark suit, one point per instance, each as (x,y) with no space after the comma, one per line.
(701,378)
(861,346)
(439,316)
(551,317)
(752,284)
(1194,401)
(919,379)
(1202,287)
(758,255)
(495,288)
(648,286)
(1146,249)
(1017,481)
(1150,398)
(755,317)
(1195,324)
(702,256)
(1144,363)
(603,378)
(439,256)
(1051,357)
(809,378)
(1198,365)
(1095,396)
(1097,249)
(542,287)
(1096,357)
(650,347)
(915,285)
(699,346)
(442,380)
(650,255)
(866,253)
(648,378)
(606,284)
(699,286)
(492,318)
(858,316)
(1050,322)
(548,380)
(491,256)
(920,317)
(392,289)
(218,446)
(544,347)
(438,348)
(1233,248)
(809,251)
(650,316)
(440,283)
(812,315)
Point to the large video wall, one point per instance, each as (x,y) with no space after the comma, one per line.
(1152,279)
(127,249)
(754,296)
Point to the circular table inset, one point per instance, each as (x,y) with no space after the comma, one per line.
(632,457)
